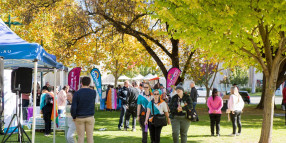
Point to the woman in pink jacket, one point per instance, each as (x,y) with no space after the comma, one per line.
(215,104)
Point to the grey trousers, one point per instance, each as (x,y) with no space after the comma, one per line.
(180,126)
(70,132)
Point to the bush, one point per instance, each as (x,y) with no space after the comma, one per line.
(258,89)
(246,89)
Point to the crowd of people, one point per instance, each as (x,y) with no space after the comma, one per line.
(153,107)
(155,103)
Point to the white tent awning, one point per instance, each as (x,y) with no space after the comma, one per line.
(123,77)
(149,76)
(138,77)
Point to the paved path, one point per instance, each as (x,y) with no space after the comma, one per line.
(253,100)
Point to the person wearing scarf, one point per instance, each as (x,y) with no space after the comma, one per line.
(142,102)
(159,107)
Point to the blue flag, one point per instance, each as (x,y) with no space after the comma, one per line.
(96,76)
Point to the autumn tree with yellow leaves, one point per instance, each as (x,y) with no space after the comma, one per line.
(133,18)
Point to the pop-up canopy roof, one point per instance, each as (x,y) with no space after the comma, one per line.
(19,53)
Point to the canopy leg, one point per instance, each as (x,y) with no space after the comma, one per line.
(1,93)
(34,100)
(55,98)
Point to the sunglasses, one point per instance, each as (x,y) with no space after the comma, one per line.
(156,94)
(146,87)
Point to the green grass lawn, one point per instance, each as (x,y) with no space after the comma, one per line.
(259,94)
(198,131)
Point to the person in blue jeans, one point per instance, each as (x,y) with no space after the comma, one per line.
(194,96)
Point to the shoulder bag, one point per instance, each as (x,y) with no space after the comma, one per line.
(192,115)
(158,120)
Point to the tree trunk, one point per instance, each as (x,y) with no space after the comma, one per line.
(208,93)
(115,74)
(115,82)
(268,112)
(261,103)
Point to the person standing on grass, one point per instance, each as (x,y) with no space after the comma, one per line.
(71,128)
(235,105)
(46,107)
(82,111)
(159,106)
(215,104)
(131,104)
(122,96)
(142,102)
(179,105)
(194,95)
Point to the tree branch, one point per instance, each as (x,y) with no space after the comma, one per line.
(216,71)
(282,46)
(155,24)
(128,30)
(187,63)
(257,58)
(136,18)
(265,38)
(271,28)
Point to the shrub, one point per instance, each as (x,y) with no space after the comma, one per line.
(258,89)
(246,89)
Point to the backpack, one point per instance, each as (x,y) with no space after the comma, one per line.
(49,99)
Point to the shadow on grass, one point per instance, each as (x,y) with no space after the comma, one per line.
(128,139)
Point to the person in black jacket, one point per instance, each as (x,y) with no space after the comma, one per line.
(122,96)
(194,96)
(131,104)
(179,105)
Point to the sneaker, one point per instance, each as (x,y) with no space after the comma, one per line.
(133,130)
(217,135)
(212,134)
(125,129)
(232,135)
(119,128)
(46,135)
(238,134)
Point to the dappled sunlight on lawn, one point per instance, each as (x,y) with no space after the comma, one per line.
(199,132)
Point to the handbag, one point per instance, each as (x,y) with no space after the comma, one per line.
(192,115)
(158,120)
